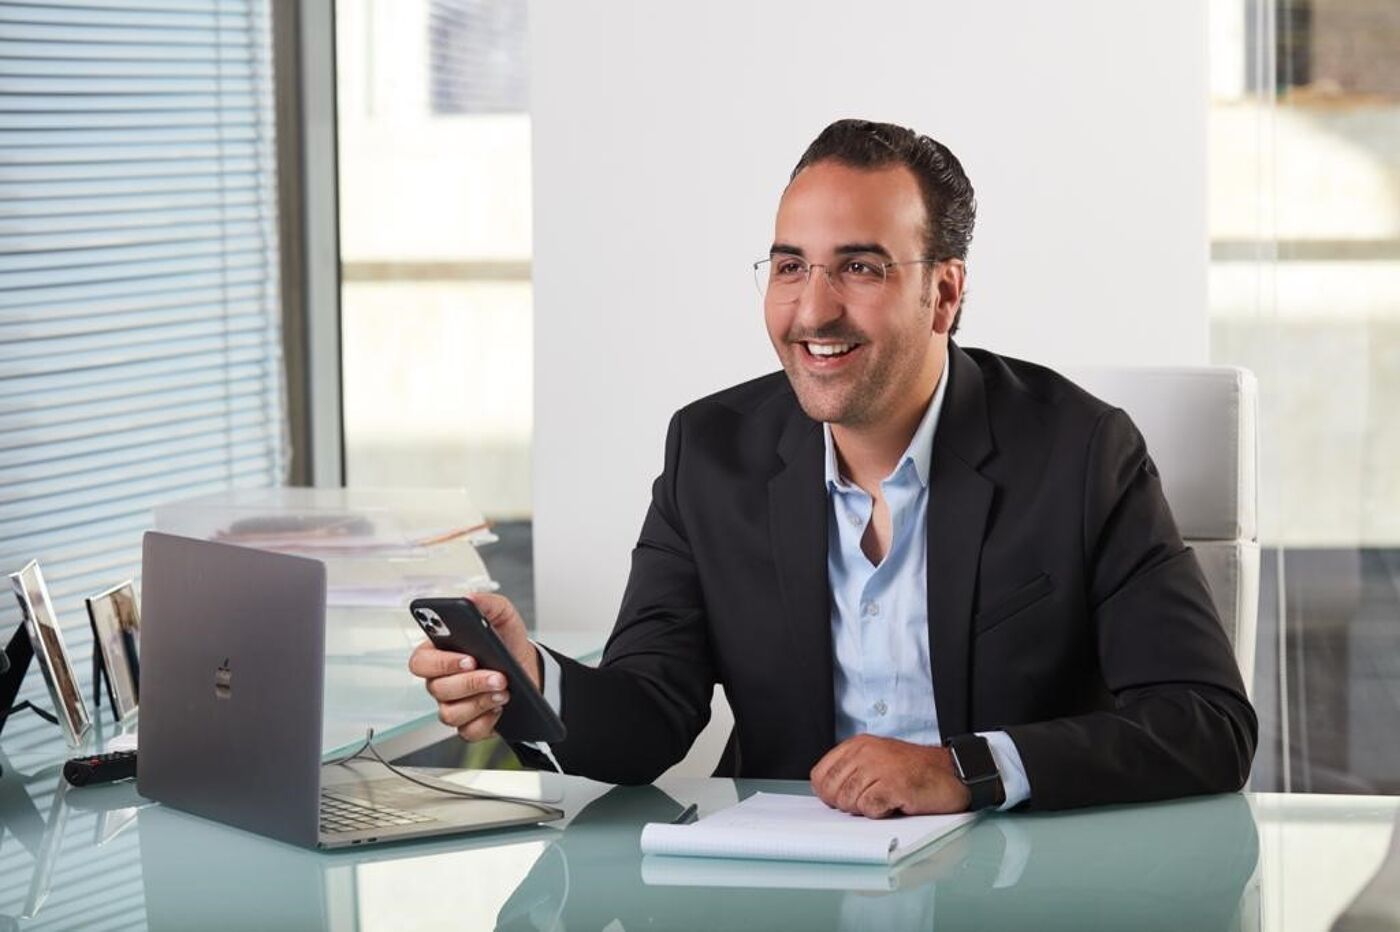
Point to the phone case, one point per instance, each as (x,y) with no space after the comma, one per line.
(457,625)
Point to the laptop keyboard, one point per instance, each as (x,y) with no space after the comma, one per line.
(340,814)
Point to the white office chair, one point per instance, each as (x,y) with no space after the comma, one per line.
(1200,427)
(1199,424)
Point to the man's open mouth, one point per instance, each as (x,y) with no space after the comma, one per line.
(828,350)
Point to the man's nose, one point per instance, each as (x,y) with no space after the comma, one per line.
(819,301)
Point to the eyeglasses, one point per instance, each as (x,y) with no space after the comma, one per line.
(857,278)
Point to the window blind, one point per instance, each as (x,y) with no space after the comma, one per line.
(140,338)
(476,56)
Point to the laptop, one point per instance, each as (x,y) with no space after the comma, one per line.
(232,671)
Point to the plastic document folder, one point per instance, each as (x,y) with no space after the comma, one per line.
(782,827)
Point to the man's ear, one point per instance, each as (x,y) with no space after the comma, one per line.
(944,315)
(949,277)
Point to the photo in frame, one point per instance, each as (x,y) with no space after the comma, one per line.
(116,627)
(41,622)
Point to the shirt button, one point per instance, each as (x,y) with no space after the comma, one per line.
(854,519)
(881,708)
(872,608)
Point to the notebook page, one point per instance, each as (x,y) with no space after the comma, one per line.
(788,827)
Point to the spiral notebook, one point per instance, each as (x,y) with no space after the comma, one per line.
(774,826)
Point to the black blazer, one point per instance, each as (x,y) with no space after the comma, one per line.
(1063,606)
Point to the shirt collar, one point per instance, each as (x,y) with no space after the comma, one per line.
(919,451)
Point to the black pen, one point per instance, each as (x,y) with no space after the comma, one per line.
(687,814)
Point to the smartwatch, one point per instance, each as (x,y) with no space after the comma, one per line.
(973,763)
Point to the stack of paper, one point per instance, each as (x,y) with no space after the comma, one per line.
(799,828)
(382,547)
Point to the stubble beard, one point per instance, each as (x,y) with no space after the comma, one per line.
(843,400)
(857,399)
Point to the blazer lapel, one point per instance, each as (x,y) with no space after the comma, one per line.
(959,499)
(797,505)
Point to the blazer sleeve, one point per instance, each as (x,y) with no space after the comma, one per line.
(641,708)
(1181,723)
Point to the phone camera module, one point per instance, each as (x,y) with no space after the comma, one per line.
(429,621)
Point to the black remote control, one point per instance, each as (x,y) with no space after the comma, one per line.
(100,768)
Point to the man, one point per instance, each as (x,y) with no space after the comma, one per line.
(930,579)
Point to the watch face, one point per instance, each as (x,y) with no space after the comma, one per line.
(972,757)
(958,762)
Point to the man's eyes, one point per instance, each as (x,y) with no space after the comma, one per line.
(861,268)
(850,269)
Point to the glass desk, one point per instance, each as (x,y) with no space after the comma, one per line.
(101,857)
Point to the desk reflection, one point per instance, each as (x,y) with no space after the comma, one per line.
(198,874)
(1178,865)
(51,845)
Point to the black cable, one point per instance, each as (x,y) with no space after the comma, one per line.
(368,745)
(45,714)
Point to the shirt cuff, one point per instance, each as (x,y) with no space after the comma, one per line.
(1013,772)
(551,672)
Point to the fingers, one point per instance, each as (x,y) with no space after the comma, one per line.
(501,615)
(874,802)
(468,699)
(476,715)
(496,609)
(465,685)
(833,769)
(848,777)
(854,781)
(829,761)
(863,775)
(845,781)
(480,729)
(427,661)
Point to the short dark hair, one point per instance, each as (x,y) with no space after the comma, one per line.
(949,200)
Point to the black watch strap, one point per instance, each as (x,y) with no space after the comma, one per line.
(975,767)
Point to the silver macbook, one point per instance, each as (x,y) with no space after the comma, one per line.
(232,666)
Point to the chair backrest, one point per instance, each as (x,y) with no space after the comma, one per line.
(1200,426)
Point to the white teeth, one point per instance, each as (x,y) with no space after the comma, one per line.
(829,349)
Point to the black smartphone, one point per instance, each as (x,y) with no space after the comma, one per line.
(457,625)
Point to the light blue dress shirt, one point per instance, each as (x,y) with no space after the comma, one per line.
(879,614)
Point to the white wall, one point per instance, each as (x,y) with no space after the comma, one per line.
(663,135)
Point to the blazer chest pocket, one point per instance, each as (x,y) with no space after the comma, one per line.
(1022,597)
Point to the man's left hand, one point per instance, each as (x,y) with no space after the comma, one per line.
(879,777)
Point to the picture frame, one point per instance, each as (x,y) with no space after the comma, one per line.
(41,622)
(115,616)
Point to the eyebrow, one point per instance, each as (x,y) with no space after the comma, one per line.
(786,249)
(874,248)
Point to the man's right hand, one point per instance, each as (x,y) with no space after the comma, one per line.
(469,699)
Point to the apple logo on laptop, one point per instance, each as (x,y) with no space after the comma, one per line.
(223,680)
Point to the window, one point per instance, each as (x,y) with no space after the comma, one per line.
(437,339)
(477,56)
(140,343)
(1305,290)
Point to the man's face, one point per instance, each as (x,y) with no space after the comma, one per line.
(829,214)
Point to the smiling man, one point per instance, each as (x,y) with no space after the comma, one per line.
(930,579)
